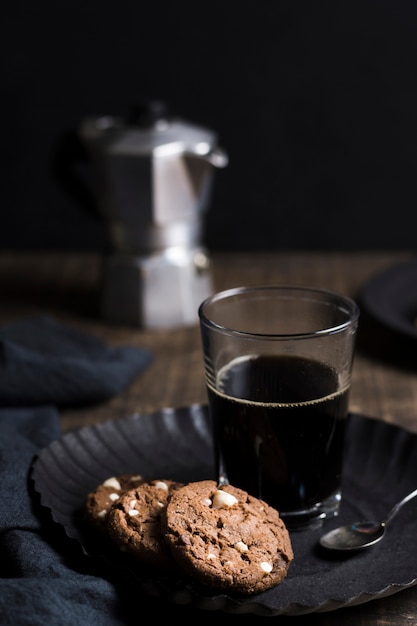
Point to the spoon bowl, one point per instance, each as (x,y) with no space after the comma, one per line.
(353,536)
(360,535)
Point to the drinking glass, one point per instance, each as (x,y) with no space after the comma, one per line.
(278,361)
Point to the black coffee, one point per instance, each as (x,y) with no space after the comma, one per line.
(285,444)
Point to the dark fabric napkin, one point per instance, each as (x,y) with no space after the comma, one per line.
(43,361)
(44,365)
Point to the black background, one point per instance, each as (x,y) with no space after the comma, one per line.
(314,102)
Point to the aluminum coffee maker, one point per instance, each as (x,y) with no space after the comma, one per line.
(152,177)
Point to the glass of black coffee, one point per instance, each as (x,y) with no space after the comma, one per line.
(278,364)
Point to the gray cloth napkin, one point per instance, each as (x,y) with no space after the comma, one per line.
(43,361)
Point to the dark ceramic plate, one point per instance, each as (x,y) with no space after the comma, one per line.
(391,298)
(380,468)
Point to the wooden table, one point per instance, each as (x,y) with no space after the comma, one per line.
(67,286)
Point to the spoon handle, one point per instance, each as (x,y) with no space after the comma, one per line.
(398,506)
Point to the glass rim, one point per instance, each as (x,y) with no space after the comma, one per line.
(352,310)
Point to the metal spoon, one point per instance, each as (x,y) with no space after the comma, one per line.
(361,535)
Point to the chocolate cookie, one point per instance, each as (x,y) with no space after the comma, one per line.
(134,522)
(225,538)
(99,501)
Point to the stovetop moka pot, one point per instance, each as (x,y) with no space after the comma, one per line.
(152,177)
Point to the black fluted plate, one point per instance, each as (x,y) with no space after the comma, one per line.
(380,468)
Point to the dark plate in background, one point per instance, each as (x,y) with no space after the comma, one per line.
(391,298)
(380,468)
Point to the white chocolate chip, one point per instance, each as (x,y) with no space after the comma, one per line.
(242,547)
(113,496)
(211,556)
(112,482)
(102,514)
(133,512)
(207,501)
(132,504)
(266,567)
(223,500)
(161,505)
(136,478)
(161,485)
